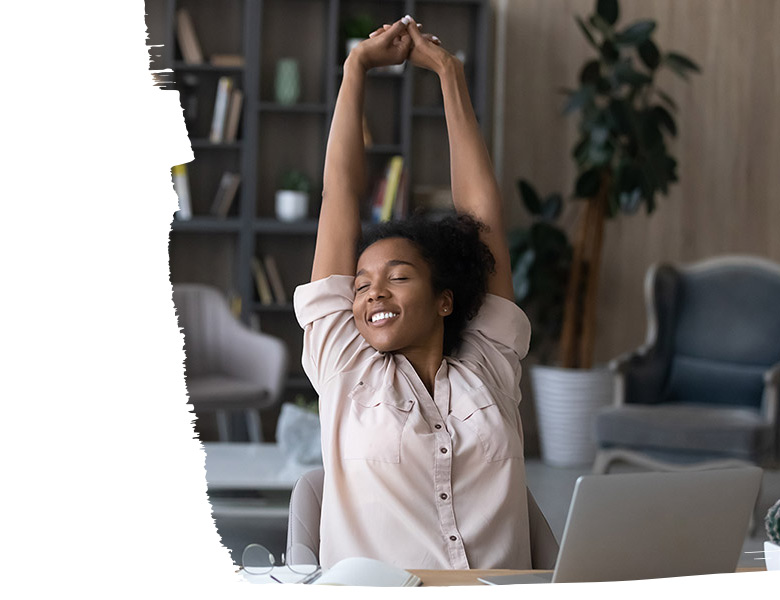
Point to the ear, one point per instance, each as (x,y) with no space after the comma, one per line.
(445,303)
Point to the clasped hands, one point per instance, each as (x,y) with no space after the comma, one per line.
(403,40)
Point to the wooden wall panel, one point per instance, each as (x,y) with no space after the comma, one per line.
(728,198)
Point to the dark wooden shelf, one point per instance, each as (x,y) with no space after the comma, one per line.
(305,227)
(298,382)
(205,143)
(206,224)
(205,67)
(385,149)
(427,111)
(302,107)
(273,308)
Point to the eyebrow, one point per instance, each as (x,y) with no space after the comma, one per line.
(389,263)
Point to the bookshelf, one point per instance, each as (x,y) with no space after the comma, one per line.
(403,111)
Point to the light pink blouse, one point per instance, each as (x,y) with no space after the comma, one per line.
(418,481)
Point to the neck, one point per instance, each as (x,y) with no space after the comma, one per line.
(426,364)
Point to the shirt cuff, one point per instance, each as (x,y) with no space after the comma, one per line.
(504,322)
(323,297)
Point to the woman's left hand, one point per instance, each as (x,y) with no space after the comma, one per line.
(388,45)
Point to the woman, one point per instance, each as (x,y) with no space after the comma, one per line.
(421,434)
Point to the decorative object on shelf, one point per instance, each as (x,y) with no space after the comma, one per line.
(264,293)
(274,279)
(622,162)
(233,115)
(292,197)
(227,60)
(188,40)
(389,189)
(181,186)
(287,85)
(221,103)
(355,29)
(298,432)
(772,547)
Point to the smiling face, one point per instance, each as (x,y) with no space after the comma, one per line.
(396,308)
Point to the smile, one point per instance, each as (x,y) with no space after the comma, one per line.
(383,317)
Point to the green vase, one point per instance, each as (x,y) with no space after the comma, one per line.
(288,81)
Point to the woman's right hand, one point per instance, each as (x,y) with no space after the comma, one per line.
(386,46)
(426,50)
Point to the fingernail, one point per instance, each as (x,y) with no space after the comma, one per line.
(435,39)
(406,20)
(372,34)
(419,25)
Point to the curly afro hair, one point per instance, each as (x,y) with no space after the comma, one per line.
(459,261)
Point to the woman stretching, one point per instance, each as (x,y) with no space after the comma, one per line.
(413,343)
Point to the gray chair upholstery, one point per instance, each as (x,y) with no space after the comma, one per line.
(303,525)
(228,366)
(702,391)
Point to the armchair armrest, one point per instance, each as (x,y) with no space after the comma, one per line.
(639,375)
(769,402)
(254,356)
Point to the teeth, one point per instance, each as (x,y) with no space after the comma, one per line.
(383,315)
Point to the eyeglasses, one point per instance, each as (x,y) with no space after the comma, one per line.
(257,560)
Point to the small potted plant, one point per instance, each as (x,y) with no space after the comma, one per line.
(772,547)
(298,431)
(292,197)
(356,28)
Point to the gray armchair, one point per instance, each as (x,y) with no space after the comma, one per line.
(228,366)
(703,390)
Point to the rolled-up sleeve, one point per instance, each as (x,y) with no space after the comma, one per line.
(496,340)
(331,340)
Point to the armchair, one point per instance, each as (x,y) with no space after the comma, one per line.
(228,366)
(702,392)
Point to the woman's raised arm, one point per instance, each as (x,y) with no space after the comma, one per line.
(474,187)
(343,180)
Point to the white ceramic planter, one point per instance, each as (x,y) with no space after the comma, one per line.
(567,401)
(772,556)
(291,205)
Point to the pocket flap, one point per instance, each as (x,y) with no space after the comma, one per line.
(471,401)
(367,396)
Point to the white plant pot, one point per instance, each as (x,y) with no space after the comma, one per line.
(291,205)
(772,556)
(567,401)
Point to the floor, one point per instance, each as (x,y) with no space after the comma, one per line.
(551,486)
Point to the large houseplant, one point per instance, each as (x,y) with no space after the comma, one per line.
(622,163)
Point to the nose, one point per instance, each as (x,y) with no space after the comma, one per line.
(377,291)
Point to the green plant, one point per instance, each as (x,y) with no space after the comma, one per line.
(358,26)
(296,180)
(772,523)
(621,153)
(309,405)
(541,258)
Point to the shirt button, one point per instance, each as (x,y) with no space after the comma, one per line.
(453,538)
(444,451)
(437,426)
(443,496)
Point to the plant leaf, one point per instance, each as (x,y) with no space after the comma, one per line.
(609,51)
(591,72)
(608,10)
(530,197)
(588,183)
(578,99)
(682,61)
(649,54)
(636,33)
(665,119)
(625,73)
(586,32)
(666,98)
(552,207)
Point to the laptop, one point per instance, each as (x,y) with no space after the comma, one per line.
(649,525)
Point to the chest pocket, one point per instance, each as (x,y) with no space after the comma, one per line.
(499,434)
(375,425)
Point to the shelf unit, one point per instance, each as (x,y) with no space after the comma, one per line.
(404,112)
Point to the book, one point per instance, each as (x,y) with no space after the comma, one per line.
(226,193)
(181,186)
(401,210)
(188,40)
(224,90)
(272,271)
(393,180)
(233,115)
(360,571)
(354,571)
(227,60)
(368,139)
(261,282)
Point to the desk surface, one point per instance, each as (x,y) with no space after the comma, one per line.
(432,578)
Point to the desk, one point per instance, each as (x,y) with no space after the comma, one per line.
(250,480)
(433,578)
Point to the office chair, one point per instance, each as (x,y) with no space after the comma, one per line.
(228,366)
(303,525)
(702,392)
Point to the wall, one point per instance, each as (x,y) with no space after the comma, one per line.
(728,148)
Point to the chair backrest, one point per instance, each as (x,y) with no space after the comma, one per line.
(205,316)
(718,324)
(303,525)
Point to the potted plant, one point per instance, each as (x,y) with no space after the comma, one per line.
(292,197)
(622,163)
(772,547)
(355,29)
